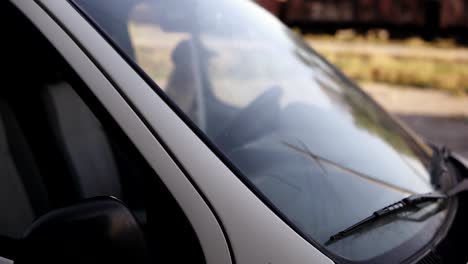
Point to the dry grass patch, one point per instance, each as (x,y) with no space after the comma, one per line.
(450,76)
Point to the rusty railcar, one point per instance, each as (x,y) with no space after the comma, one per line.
(399,12)
(454,14)
(418,16)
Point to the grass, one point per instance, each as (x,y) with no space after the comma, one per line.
(380,36)
(413,67)
(450,76)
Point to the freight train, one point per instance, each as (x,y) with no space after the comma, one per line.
(428,18)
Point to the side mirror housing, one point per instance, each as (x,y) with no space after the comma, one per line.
(98,230)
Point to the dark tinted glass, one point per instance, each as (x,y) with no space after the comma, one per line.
(59,146)
(317,148)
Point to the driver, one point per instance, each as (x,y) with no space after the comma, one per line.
(181,87)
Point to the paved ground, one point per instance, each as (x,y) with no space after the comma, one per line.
(434,115)
(452,132)
(407,100)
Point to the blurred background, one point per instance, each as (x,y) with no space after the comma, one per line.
(410,55)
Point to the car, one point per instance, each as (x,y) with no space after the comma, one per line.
(203,131)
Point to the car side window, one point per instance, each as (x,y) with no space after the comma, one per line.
(59,146)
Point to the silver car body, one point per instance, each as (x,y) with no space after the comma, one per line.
(231,222)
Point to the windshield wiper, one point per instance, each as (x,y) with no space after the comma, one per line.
(406,203)
(438,166)
(438,169)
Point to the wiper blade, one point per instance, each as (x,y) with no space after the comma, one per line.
(404,204)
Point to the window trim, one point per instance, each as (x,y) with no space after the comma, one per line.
(271,225)
(194,128)
(236,171)
(56,32)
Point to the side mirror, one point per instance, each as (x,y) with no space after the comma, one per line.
(98,230)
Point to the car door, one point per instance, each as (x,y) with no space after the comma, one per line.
(82,145)
(231,221)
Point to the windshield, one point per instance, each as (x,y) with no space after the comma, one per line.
(317,148)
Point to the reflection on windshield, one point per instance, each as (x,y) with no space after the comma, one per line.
(316,147)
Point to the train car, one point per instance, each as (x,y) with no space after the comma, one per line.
(396,12)
(425,17)
(274,6)
(454,14)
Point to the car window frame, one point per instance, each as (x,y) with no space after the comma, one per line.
(157,89)
(205,139)
(233,168)
(94,77)
(299,242)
